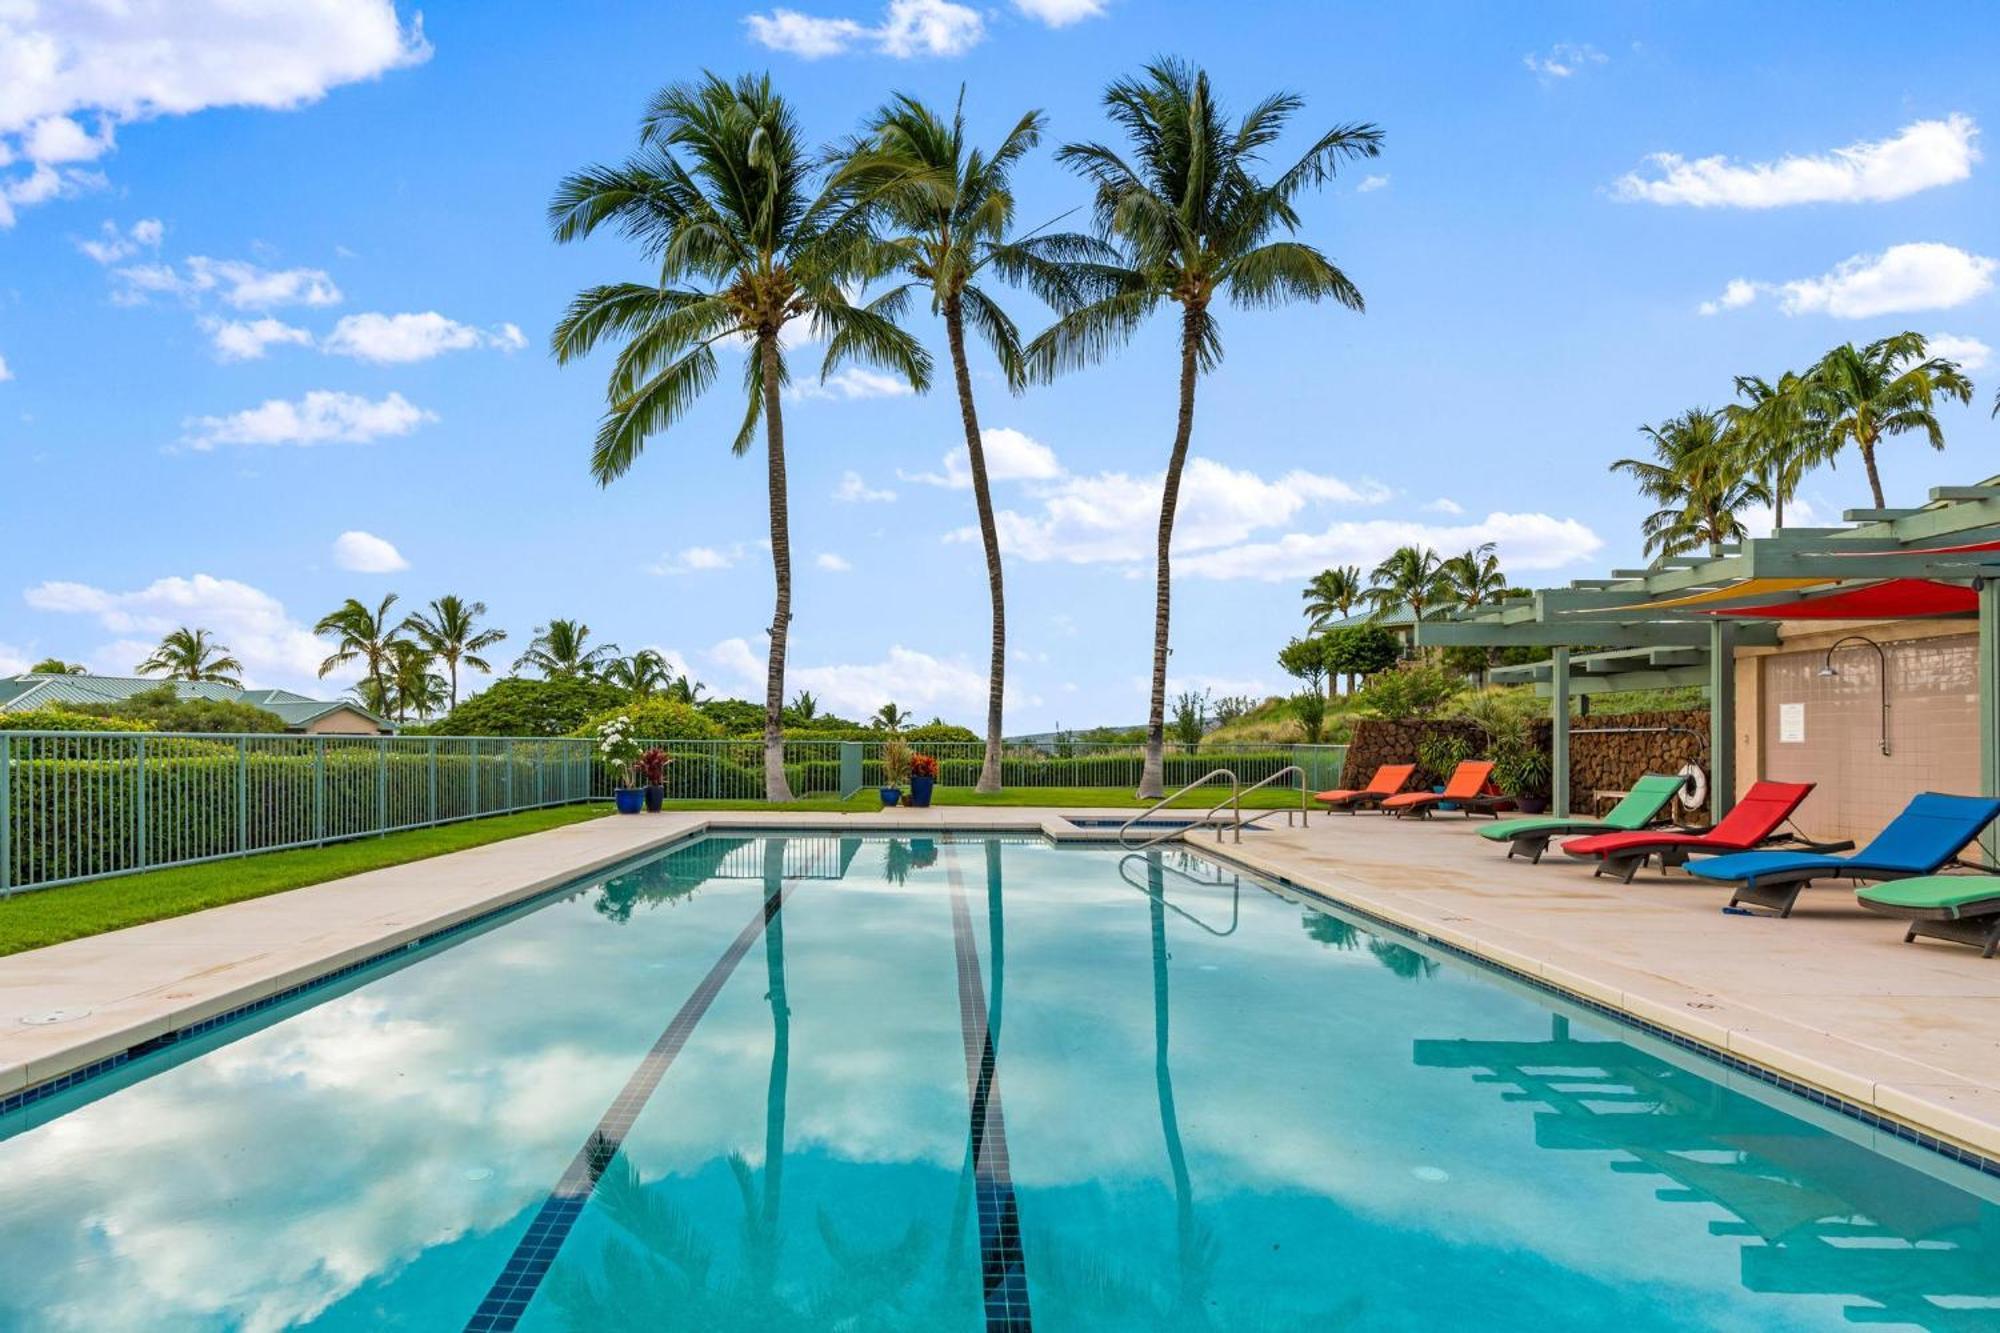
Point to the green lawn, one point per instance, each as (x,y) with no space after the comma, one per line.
(50,916)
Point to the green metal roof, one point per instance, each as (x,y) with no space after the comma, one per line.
(22,693)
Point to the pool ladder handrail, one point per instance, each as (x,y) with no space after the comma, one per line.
(1241,822)
(1234,883)
(1235,785)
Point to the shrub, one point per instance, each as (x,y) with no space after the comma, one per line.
(734,716)
(1414,691)
(163,709)
(1361,650)
(923,766)
(1441,752)
(656,719)
(62,719)
(518,706)
(934,732)
(1309,706)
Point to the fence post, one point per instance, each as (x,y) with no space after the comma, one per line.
(6,814)
(434,779)
(509,748)
(139,809)
(242,795)
(472,780)
(319,789)
(382,784)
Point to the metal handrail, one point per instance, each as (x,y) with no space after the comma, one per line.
(1265,782)
(1235,893)
(1235,784)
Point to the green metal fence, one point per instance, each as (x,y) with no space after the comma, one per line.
(1114,765)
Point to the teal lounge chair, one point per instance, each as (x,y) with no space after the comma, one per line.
(1641,806)
(1962,908)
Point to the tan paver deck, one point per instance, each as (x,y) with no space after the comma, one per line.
(1830,997)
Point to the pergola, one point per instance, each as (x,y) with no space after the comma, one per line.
(1680,620)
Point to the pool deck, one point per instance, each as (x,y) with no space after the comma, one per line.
(1831,998)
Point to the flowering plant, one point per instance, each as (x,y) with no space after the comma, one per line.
(923,766)
(652,766)
(619,749)
(895,762)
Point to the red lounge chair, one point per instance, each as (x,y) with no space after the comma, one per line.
(1388,780)
(1754,820)
(1465,788)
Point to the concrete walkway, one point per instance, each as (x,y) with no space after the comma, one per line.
(1831,997)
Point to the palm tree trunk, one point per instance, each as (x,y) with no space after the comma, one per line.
(775,786)
(1151,784)
(452,662)
(1874,477)
(989,537)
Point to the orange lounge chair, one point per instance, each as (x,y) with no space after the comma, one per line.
(1388,780)
(1465,788)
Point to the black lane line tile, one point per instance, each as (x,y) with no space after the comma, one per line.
(507,1300)
(1003,1265)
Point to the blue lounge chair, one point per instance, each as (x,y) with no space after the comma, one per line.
(1932,830)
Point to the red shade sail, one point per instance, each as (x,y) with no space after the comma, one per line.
(1892,599)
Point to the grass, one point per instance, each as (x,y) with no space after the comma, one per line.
(72,911)
(866,801)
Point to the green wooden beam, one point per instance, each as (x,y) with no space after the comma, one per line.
(1627,681)
(1877,515)
(1723,637)
(1587,634)
(1942,494)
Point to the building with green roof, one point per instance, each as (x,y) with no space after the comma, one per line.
(301,714)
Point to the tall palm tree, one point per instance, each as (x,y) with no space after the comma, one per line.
(1781,431)
(1411,577)
(1331,595)
(890,718)
(642,675)
(1474,578)
(367,636)
(744,238)
(948,223)
(1193,222)
(414,688)
(561,648)
(1889,387)
(805,705)
(684,689)
(55,666)
(1698,479)
(190,654)
(449,629)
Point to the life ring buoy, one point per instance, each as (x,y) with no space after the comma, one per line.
(1693,792)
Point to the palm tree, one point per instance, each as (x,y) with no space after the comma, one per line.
(1887,388)
(1411,577)
(805,706)
(449,629)
(1331,595)
(55,666)
(1474,578)
(189,654)
(684,689)
(950,218)
(559,649)
(1781,430)
(1192,222)
(1697,477)
(721,200)
(642,675)
(890,718)
(414,688)
(370,637)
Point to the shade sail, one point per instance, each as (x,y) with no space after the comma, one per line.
(1739,589)
(1892,599)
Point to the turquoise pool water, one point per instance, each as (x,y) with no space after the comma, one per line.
(833,1083)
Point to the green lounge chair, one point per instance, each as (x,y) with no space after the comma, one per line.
(1962,908)
(1641,806)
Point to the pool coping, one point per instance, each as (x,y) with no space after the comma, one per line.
(191,1006)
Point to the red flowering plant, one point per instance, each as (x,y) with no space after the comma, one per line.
(651,767)
(923,766)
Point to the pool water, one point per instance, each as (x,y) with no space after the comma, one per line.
(825,1082)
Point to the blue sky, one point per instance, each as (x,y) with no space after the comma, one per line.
(275,293)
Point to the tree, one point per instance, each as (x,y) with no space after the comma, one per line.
(414,688)
(367,636)
(1411,577)
(561,648)
(889,718)
(190,654)
(1361,651)
(1309,707)
(1890,387)
(642,675)
(449,630)
(55,666)
(1474,578)
(1697,476)
(1781,432)
(1192,222)
(1190,719)
(1306,659)
(1331,595)
(805,706)
(721,200)
(950,214)
(524,706)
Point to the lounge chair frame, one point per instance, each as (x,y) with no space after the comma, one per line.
(1976,923)
(1631,863)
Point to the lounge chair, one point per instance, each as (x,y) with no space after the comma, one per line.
(1931,831)
(1465,789)
(1753,821)
(1388,780)
(1641,806)
(1961,908)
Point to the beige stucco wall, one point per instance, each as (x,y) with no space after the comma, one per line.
(1933,719)
(345,722)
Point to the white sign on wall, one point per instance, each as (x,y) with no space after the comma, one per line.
(1792,723)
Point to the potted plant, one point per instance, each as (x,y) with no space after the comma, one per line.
(895,770)
(923,776)
(652,768)
(1523,772)
(620,751)
(1442,752)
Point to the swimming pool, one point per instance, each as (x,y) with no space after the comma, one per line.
(827,1082)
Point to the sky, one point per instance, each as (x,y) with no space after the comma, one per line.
(276,287)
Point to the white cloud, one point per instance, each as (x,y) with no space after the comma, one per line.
(64,63)
(396,339)
(1444,504)
(909,28)
(5,374)
(1061,13)
(853,382)
(1563,59)
(854,490)
(915,680)
(112,245)
(1525,541)
(274,648)
(1371,183)
(1011,455)
(1921,156)
(13,661)
(832,563)
(1970,353)
(246,340)
(322,416)
(237,283)
(365,553)
(704,559)
(1922,275)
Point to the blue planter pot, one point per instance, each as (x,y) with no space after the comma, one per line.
(890,795)
(920,791)
(630,800)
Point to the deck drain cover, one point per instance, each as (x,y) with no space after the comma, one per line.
(54,1016)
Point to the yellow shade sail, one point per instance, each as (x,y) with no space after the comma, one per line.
(1740,589)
